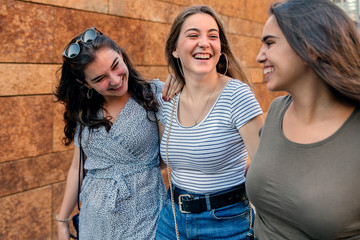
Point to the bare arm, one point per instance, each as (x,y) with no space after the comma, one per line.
(250,134)
(171,87)
(70,196)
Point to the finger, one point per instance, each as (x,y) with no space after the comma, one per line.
(166,87)
(174,89)
(178,87)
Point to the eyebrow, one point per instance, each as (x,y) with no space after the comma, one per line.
(115,60)
(101,76)
(267,37)
(197,30)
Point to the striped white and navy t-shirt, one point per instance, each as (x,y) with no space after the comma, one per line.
(210,156)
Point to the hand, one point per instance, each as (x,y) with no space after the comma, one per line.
(171,88)
(63,231)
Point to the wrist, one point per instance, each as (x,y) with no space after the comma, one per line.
(63,220)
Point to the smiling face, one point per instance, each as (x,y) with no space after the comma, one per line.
(107,74)
(283,68)
(198,45)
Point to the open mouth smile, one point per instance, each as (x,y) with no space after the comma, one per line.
(202,56)
(268,70)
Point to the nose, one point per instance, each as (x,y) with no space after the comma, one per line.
(261,57)
(114,79)
(203,42)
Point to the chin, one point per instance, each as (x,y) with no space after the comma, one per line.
(272,88)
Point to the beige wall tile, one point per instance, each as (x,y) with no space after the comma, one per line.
(245,48)
(93,5)
(235,8)
(155,37)
(257,10)
(26,215)
(26,126)
(151,10)
(29,173)
(25,79)
(27,35)
(150,72)
(178,2)
(244,27)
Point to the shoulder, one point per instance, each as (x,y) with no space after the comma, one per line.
(277,108)
(237,89)
(238,92)
(280,102)
(237,84)
(156,86)
(156,83)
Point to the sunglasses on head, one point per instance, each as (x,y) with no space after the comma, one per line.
(73,49)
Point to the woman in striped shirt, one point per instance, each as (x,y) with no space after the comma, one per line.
(210,128)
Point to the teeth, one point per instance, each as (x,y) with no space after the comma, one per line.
(268,70)
(202,56)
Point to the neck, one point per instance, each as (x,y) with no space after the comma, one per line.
(199,86)
(116,101)
(314,100)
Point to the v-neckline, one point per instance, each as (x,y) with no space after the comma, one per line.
(124,109)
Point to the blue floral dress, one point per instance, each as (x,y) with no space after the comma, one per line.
(123,191)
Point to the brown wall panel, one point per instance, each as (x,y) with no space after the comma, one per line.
(26,215)
(26,126)
(26,32)
(25,174)
(26,79)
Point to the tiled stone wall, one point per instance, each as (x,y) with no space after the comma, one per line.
(33,161)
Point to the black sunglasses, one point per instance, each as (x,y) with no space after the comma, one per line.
(73,49)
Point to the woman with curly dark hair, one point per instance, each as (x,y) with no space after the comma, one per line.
(110,114)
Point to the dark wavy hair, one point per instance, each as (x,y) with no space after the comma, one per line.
(320,28)
(234,68)
(71,90)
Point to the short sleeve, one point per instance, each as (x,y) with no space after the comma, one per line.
(157,86)
(244,105)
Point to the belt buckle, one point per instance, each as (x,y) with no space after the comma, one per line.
(181,196)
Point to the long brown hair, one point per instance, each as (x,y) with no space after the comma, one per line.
(322,29)
(234,68)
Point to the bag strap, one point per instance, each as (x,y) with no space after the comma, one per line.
(81,166)
(250,234)
(168,170)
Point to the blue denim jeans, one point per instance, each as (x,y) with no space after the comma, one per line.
(229,222)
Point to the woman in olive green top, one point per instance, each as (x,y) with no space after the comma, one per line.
(304,179)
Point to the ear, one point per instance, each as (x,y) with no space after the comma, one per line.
(313,56)
(175,54)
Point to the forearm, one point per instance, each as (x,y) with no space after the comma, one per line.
(70,194)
